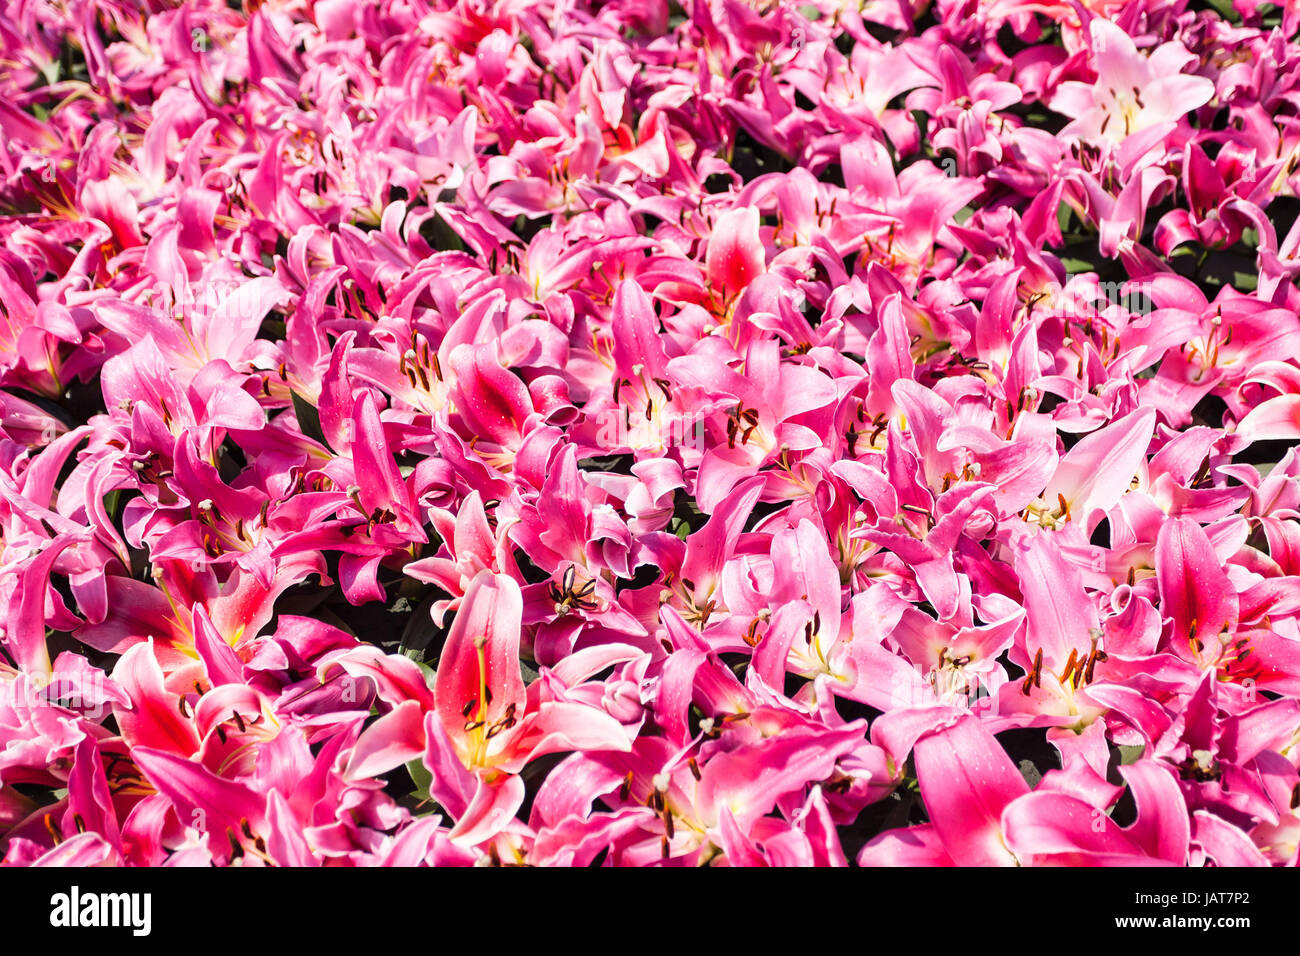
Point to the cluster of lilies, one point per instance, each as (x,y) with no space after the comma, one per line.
(632,432)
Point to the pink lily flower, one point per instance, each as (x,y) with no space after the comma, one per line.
(1132,92)
(488,724)
(984,814)
(773,399)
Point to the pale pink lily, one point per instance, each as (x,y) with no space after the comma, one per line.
(1132,92)
(779,409)
(1093,475)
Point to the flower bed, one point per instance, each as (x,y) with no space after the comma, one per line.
(740,433)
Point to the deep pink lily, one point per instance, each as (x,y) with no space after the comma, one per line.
(984,814)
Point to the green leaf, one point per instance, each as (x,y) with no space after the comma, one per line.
(1075,266)
(309,420)
(1063,216)
(618,464)
(1130,753)
(1226,10)
(421,776)
(1031,773)
(420,632)
(439,235)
